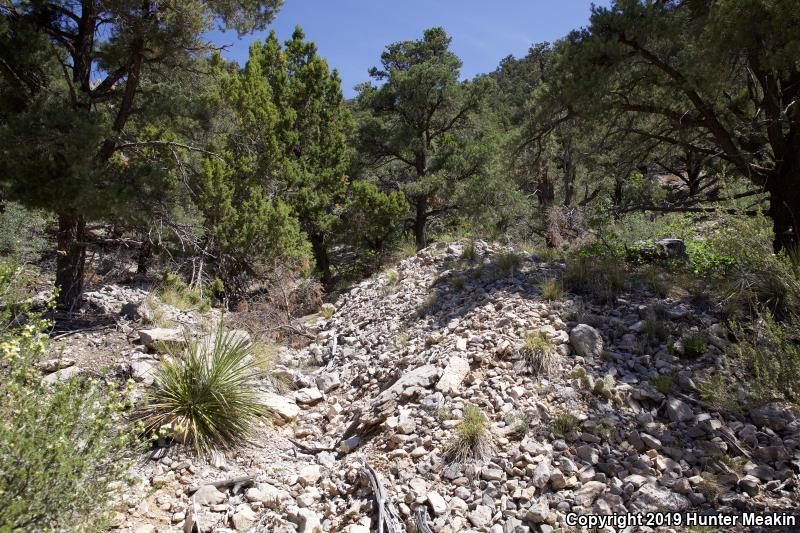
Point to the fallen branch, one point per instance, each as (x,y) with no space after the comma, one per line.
(236,482)
(387,514)
(310,449)
(421,519)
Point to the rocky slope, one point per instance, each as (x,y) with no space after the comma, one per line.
(404,353)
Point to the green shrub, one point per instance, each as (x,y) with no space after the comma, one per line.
(174,292)
(471,440)
(22,232)
(470,253)
(654,331)
(695,344)
(457,283)
(63,448)
(563,423)
(663,383)
(552,289)
(206,397)
(507,264)
(768,356)
(720,392)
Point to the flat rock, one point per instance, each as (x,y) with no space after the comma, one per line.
(308,396)
(455,372)
(285,409)
(438,504)
(655,498)
(208,495)
(152,337)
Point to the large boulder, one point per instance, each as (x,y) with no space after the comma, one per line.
(774,416)
(586,340)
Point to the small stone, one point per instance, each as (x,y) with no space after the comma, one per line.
(438,504)
(328,381)
(309,475)
(285,409)
(679,411)
(209,495)
(308,396)
(588,493)
(308,521)
(243,518)
(481,516)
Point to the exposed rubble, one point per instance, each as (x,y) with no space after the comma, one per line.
(406,351)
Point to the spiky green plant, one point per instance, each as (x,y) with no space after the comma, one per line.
(563,423)
(471,440)
(206,397)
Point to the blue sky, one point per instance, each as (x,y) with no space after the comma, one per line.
(351,34)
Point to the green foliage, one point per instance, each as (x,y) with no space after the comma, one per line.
(21,232)
(472,440)
(663,383)
(469,253)
(552,289)
(654,330)
(415,125)
(103,121)
(457,283)
(768,357)
(207,396)
(695,344)
(173,291)
(506,264)
(373,216)
(63,448)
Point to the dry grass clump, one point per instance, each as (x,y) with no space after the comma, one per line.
(471,440)
(552,289)
(539,353)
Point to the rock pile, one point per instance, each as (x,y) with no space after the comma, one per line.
(614,426)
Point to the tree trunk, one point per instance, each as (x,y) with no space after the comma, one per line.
(420,222)
(71,258)
(784,210)
(144,257)
(321,258)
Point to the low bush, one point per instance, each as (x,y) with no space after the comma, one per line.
(601,278)
(173,291)
(471,440)
(507,264)
(64,448)
(767,355)
(552,289)
(563,423)
(206,397)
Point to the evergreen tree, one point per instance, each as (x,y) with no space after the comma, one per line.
(67,138)
(419,132)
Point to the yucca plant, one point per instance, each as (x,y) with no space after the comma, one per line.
(206,396)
